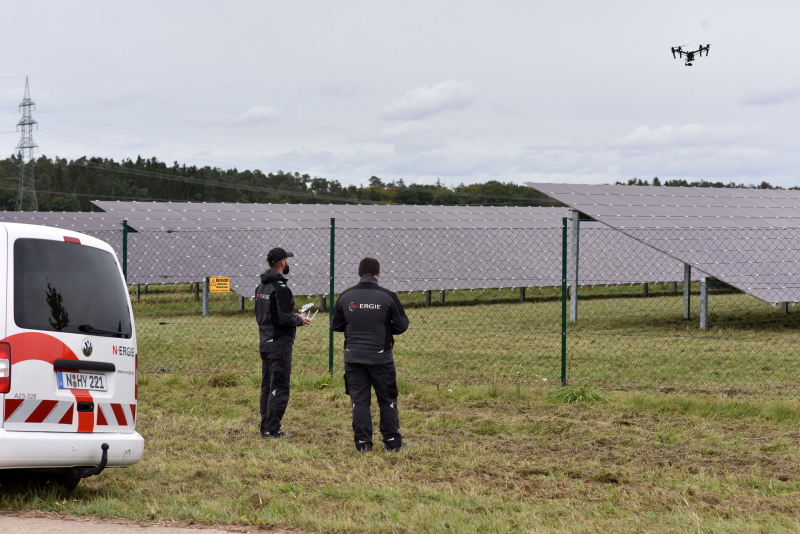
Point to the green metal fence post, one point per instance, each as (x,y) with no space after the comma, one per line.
(330,300)
(125,249)
(564,302)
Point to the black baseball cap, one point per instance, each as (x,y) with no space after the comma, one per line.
(277,254)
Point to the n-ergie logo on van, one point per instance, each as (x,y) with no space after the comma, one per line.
(122,350)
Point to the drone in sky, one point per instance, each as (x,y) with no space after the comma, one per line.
(690,54)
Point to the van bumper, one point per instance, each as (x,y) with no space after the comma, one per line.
(35,450)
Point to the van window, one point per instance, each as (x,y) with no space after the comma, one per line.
(66,287)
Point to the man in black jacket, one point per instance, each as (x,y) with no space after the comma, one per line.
(369,315)
(277,324)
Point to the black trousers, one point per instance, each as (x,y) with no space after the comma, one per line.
(360,379)
(276,370)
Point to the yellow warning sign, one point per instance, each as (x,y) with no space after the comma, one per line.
(219,284)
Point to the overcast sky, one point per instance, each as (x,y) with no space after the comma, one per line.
(580,92)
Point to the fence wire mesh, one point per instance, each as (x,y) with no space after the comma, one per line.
(694,331)
(485,305)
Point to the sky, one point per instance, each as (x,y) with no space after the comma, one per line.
(456,91)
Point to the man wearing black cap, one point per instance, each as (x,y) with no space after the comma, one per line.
(277,324)
(369,315)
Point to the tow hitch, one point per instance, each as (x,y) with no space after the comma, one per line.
(86,472)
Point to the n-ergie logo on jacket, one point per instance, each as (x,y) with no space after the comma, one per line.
(353,306)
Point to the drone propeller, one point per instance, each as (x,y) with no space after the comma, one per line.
(679,49)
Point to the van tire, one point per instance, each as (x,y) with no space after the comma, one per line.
(68,481)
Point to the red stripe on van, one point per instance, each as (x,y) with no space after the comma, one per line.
(101,418)
(41,412)
(46,348)
(85,419)
(120,414)
(11,407)
(67,419)
(133,413)
(38,346)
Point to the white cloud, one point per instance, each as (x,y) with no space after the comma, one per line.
(424,102)
(771,97)
(668,135)
(251,116)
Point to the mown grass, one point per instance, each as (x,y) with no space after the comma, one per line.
(621,341)
(493,453)
(498,458)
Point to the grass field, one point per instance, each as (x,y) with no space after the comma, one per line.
(621,340)
(493,459)
(493,451)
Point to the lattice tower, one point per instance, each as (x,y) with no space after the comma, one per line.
(26,199)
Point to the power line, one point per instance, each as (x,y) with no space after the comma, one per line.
(164,175)
(40,192)
(207,144)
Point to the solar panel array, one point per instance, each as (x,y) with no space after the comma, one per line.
(76,220)
(456,247)
(220,216)
(420,247)
(749,238)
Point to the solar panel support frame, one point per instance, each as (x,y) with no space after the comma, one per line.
(205,296)
(687,291)
(703,304)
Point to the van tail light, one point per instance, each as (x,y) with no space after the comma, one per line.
(136,376)
(5,367)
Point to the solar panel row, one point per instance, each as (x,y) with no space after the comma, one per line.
(202,216)
(749,238)
(420,247)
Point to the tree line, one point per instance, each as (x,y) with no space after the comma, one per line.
(71,185)
(700,183)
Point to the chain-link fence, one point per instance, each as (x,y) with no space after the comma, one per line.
(697,333)
(490,305)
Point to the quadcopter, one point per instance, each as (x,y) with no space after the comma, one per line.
(304,310)
(690,54)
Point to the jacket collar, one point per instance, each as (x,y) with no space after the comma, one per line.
(368,278)
(271,275)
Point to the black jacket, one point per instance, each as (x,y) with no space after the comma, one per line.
(369,315)
(277,323)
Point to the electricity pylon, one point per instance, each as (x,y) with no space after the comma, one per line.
(26,199)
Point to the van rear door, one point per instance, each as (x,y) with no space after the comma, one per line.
(5,350)
(71,333)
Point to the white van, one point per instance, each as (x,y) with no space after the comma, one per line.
(68,357)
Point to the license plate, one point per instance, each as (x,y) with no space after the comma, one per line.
(94,382)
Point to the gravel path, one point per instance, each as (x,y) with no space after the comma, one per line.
(15,524)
